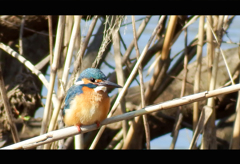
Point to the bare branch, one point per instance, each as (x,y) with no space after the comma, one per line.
(50,31)
(20,35)
(81,52)
(8,109)
(73,130)
(57,52)
(30,66)
(129,80)
(145,120)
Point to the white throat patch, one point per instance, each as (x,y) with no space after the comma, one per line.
(79,82)
(100,88)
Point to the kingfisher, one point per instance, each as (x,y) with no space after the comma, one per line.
(87,101)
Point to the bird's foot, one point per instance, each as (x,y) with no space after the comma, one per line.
(78,128)
(98,123)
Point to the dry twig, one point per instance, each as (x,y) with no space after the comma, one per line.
(198,69)
(30,66)
(47,112)
(20,35)
(179,116)
(165,54)
(145,121)
(119,71)
(128,82)
(8,109)
(73,130)
(50,38)
(81,52)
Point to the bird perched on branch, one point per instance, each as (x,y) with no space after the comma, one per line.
(87,101)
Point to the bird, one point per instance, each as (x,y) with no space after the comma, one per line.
(87,101)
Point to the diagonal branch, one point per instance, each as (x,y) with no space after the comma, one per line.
(77,63)
(57,52)
(70,131)
(30,66)
(128,82)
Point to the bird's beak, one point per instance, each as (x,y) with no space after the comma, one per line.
(109,84)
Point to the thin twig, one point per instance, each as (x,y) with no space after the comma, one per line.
(234,143)
(177,67)
(198,69)
(66,68)
(223,55)
(145,120)
(139,32)
(8,109)
(50,31)
(67,65)
(81,52)
(30,66)
(110,25)
(204,117)
(20,35)
(128,82)
(119,71)
(179,112)
(57,52)
(176,129)
(115,140)
(25,28)
(119,145)
(125,24)
(191,21)
(206,138)
(235,139)
(128,63)
(73,130)
(66,40)
(42,63)
(105,41)
(165,54)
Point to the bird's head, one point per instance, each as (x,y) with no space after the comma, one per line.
(94,78)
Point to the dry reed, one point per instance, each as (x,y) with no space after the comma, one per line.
(8,110)
(70,131)
(159,81)
(145,120)
(46,114)
(198,69)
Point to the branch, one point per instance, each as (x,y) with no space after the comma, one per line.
(50,31)
(128,82)
(57,51)
(119,70)
(8,109)
(140,70)
(75,30)
(78,62)
(139,32)
(20,36)
(70,131)
(196,88)
(30,66)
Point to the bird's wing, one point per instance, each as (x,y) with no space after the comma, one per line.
(71,93)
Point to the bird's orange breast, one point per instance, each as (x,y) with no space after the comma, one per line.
(87,108)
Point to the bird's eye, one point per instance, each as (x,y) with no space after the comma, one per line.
(92,80)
